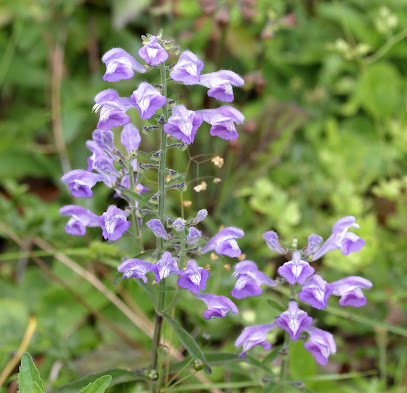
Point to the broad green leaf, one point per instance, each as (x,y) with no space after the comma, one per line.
(29,380)
(189,343)
(99,386)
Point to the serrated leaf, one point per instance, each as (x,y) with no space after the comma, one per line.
(189,343)
(99,386)
(29,380)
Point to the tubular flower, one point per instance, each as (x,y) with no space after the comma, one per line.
(135,268)
(164,267)
(271,239)
(249,279)
(183,124)
(220,84)
(218,306)
(224,242)
(193,236)
(314,243)
(188,69)
(349,289)
(254,335)
(152,52)
(80,219)
(321,344)
(296,270)
(147,100)
(113,223)
(316,292)
(80,182)
(294,321)
(158,229)
(341,239)
(193,277)
(120,65)
(130,137)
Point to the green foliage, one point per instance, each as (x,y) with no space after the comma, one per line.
(29,380)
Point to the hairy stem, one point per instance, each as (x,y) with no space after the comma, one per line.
(134,220)
(161,217)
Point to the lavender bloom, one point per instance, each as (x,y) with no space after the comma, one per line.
(271,239)
(218,306)
(112,109)
(321,344)
(183,124)
(200,216)
(187,69)
(135,268)
(347,241)
(252,336)
(223,121)
(224,242)
(349,289)
(81,218)
(193,236)
(316,292)
(294,321)
(296,270)
(114,223)
(164,267)
(193,278)
(80,182)
(178,225)
(314,243)
(158,229)
(220,84)
(130,137)
(120,65)
(97,152)
(152,52)
(104,139)
(249,279)
(147,100)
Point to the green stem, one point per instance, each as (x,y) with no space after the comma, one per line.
(134,220)
(161,217)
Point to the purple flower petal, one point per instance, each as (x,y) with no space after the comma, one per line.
(178,225)
(157,227)
(80,182)
(220,84)
(314,243)
(254,335)
(296,270)
(188,69)
(316,292)
(147,100)
(201,215)
(120,65)
(114,223)
(153,53)
(135,268)
(321,344)
(183,124)
(193,236)
(271,239)
(193,278)
(349,289)
(218,306)
(294,321)
(81,218)
(130,137)
(224,243)
(164,267)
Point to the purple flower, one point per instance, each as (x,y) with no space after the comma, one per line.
(294,321)
(271,239)
(152,52)
(147,100)
(130,137)
(112,109)
(220,84)
(249,279)
(218,306)
(193,236)
(200,216)
(314,243)
(193,278)
(349,290)
(120,65)
(316,292)
(80,182)
(223,121)
(224,242)
(296,270)
(254,335)
(178,225)
(183,124)
(114,223)
(158,229)
(187,69)
(321,344)
(81,218)
(164,267)
(347,241)
(104,139)
(97,152)
(135,268)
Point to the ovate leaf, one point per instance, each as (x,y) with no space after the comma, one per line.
(29,380)
(99,386)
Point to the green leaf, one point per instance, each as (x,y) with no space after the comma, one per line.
(255,363)
(99,386)
(117,278)
(176,180)
(29,380)
(271,356)
(118,377)
(189,343)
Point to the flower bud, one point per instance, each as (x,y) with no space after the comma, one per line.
(198,365)
(152,375)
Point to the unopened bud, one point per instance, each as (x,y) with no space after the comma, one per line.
(198,365)
(152,375)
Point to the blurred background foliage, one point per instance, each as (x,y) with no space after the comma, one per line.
(325,136)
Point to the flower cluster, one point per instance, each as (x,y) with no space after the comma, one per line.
(314,290)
